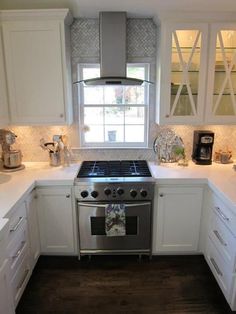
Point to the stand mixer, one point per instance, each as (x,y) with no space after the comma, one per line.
(11,158)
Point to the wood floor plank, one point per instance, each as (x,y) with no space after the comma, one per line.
(118,284)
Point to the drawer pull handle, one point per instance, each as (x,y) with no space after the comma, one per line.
(216,266)
(221,213)
(17,225)
(23,279)
(20,250)
(219,238)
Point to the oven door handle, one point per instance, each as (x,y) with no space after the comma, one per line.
(105,205)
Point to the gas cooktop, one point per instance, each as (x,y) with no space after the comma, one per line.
(117,180)
(114,168)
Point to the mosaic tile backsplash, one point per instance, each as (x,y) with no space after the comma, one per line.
(29,137)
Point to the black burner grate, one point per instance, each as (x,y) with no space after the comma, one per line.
(114,168)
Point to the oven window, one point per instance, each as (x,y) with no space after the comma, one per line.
(98,225)
(114,116)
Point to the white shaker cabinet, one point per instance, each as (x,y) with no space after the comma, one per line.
(182,69)
(221,95)
(4,118)
(220,252)
(37,56)
(34,240)
(177,215)
(18,251)
(6,301)
(56,216)
(6,304)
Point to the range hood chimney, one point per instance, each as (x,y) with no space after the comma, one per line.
(112,32)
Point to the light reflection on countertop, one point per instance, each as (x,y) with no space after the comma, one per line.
(4,178)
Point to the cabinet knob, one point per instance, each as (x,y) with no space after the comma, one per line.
(61,115)
(161,195)
(35,197)
(67,195)
(167,115)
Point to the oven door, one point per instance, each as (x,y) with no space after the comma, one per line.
(93,238)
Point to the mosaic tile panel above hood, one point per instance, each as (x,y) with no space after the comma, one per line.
(141,38)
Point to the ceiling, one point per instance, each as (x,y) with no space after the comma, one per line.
(134,8)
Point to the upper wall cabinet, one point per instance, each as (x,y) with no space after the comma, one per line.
(37,56)
(221,96)
(182,73)
(3,89)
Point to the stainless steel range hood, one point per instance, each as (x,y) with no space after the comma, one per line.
(112,52)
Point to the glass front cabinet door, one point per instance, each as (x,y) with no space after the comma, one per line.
(221,91)
(182,73)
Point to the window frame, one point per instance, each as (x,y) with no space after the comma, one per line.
(146,106)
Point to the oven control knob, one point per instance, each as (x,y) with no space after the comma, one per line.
(94,194)
(133,193)
(107,191)
(120,191)
(84,194)
(143,193)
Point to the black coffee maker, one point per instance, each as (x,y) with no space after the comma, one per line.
(202,147)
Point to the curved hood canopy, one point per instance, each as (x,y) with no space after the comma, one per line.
(112,32)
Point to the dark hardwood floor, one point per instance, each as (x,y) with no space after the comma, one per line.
(118,284)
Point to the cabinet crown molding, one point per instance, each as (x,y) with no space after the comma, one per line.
(57,14)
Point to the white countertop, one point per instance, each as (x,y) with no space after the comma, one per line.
(15,185)
(220,177)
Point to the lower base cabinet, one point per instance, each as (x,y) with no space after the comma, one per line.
(20,279)
(177,216)
(18,251)
(43,223)
(34,240)
(220,270)
(56,217)
(6,303)
(220,252)
(6,299)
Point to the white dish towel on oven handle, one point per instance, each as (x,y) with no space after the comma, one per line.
(115,222)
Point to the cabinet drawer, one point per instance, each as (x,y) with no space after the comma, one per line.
(224,213)
(223,239)
(16,220)
(2,250)
(3,240)
(17,248)
(220,269)
(19,281)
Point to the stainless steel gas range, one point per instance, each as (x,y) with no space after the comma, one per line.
(100,188)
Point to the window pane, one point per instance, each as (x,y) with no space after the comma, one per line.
(134,133)
(93,95)
(134,95)
(114,133)
(95,134)
(89,73)
(134,115)
(136,72)
(114,115)
(113,95)
(93,115)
